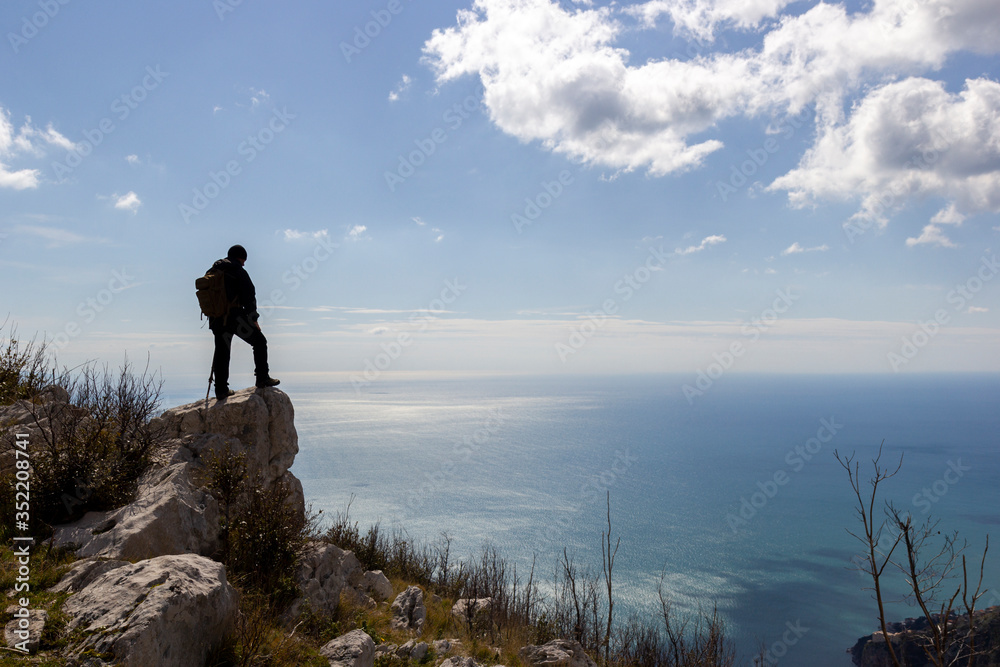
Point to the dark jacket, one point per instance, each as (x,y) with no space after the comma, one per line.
(240,291)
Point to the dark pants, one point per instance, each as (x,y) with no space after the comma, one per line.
(238,326)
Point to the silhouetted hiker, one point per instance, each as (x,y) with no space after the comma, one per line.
(241,320)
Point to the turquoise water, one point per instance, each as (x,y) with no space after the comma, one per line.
(524,464)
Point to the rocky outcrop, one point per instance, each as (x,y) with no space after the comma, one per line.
(355,649)
(173,513)
(167,611)
(409,611)
(557,653)
(257,422)
(170,515)
(174,604)
(909,637)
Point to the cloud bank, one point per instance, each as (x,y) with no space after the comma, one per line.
(886,131)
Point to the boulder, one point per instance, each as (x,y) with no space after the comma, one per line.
(25,633)
(53,394)
(557,653)
(355,649)
(170,515)
(418,652)
(262,420)
(477,611)
(409,611)
(49,407)
(166,611)
(84,572)
(412,650)
(377,585)
(325,570)
(443,646)
(460,662)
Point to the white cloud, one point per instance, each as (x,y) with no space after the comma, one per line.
(705,242)
(419,221)
(127,202)
(297,235)
(701,18)
(977,309)
(796,248)
(25,140)
(133,160)
(21,179)
(401,88)
(905,140)
(555,74)
(50,136)
(357,233)
(931,235)
(948,216)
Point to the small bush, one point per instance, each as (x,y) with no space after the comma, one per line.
(263,534)
(87,454)
(24,368)
(225,474)
(266,536)
(394,553)
(91,453)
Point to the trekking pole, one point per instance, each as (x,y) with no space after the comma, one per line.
(209,390)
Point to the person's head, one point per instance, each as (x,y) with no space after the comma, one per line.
(237,254)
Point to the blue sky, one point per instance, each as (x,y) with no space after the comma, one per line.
(509,185)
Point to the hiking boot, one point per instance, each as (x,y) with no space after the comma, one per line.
(267,381)
(223,394)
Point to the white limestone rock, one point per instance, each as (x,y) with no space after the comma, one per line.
(409,611)
(355,649)
(377,585)
(325,570)
(169,611)
(556,653)
(170,515)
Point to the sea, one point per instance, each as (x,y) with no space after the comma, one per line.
(730,499)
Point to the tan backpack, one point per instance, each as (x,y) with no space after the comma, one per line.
(211,292)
